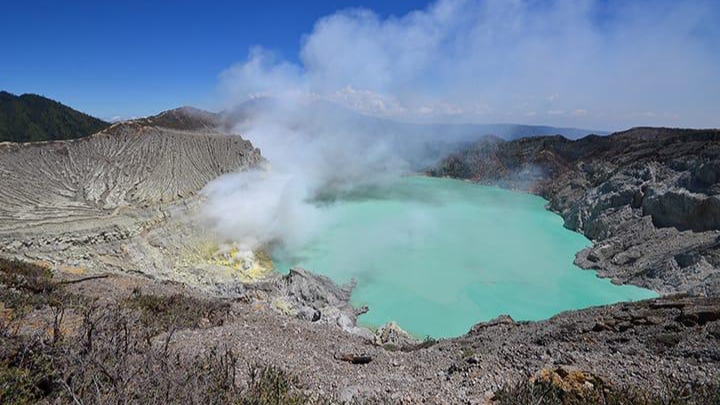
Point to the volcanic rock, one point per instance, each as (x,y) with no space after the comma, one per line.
(649,198)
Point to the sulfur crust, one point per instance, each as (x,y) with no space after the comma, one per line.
(246,265)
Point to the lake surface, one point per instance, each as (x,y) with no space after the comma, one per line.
(439,255)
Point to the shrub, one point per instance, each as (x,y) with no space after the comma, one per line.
(165,313)
(271,385)
(114,356)
(25,285)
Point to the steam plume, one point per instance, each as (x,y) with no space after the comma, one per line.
(605,64)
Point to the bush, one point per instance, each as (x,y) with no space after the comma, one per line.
(165,313)
(25,285)
(26,374)
(114,359)
(271,385)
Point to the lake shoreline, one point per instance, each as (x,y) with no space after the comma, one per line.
(429,209)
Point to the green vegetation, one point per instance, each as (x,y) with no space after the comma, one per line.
(27,286)
(429,341)
(271,385)
(177,311)
(30,118)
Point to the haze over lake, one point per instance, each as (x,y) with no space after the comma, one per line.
(439,255)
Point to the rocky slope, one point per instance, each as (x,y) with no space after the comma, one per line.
(119,200)
(641,345)
(125,200)
(129,165)
(649,198)
(121,204)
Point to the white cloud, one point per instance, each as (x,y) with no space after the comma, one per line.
(120,118)
(367,101)
(646,114)
(615,58)
(263,74)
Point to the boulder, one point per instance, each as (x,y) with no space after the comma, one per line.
(499,321)
(391,333)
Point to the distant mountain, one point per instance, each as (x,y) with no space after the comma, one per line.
(30,117)
(421,145)
(324,115)
(184,118)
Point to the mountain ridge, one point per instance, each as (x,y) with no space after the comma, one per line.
(32,118)
(374,124)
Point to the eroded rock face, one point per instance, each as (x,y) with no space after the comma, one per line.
(121,200)
(128,166)
(647,197)
(682,210)
(124,201)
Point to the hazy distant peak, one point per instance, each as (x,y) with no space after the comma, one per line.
(665,133)
(321,114)
(184,118)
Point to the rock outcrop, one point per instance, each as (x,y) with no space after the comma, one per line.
(391,336)
(310,297)
(649,198)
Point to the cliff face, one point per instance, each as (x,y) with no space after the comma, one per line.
(126,201)
(121,200)
(648,197)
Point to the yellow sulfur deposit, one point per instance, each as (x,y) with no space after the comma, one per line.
(281,305)
(247,265)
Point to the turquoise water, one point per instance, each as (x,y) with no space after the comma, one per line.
(439,255)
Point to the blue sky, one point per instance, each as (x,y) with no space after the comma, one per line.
(140,57)
(603,64)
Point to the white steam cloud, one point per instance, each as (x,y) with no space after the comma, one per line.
(588,63)
(311,157)
(620,63)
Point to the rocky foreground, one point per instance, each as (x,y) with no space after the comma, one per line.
(112,219)
(151,336)
(649,198)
